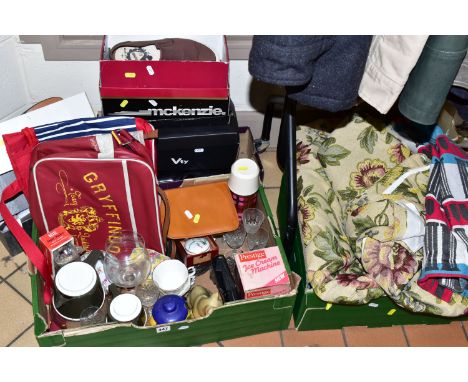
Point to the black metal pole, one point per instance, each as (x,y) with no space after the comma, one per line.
(264,142)
(286,157)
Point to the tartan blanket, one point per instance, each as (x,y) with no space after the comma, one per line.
(445,263)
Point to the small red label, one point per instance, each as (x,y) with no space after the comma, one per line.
(258,293)
(252,256)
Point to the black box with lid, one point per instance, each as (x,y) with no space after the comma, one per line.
(196,151)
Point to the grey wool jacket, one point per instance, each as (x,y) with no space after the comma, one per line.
(318,71)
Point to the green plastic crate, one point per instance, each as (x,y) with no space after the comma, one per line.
(232,320)
(311,313)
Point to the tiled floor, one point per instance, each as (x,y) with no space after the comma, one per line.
(16,313)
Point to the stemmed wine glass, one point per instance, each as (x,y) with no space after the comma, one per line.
(148,293)
(126,260)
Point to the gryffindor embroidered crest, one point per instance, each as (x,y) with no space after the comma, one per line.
(80,219)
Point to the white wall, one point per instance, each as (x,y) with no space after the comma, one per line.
(239,82)
(46,79)
(13,91)
(27,78)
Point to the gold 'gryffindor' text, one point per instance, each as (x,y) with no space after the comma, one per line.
(114,223)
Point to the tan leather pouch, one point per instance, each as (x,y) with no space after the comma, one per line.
(213,204)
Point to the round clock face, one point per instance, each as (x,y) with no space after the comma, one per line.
(197,245)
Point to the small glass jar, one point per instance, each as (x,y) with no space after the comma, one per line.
(125,308)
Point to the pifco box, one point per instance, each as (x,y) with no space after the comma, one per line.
(166,89)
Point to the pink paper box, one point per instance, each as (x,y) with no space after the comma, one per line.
(262,273)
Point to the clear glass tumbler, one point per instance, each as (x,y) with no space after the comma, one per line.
(258,239)
(235,239)
(93,315)
(253,219)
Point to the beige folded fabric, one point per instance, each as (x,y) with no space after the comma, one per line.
(389,63)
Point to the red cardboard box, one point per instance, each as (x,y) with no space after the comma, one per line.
(166,89)
(50,242)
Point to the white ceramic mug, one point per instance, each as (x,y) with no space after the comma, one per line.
(173,277)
